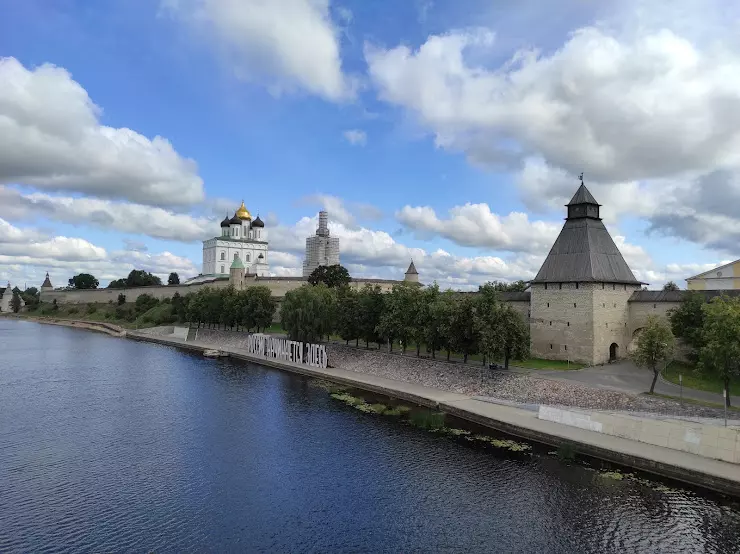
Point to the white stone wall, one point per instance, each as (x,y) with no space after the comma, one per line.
(711,441)
(611,319)
(248,251)
(561,322)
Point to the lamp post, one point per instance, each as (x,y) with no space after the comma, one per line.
(680,382)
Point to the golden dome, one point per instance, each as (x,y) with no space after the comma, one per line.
(243,212)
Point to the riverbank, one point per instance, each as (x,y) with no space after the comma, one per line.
(97,326)
(689,468)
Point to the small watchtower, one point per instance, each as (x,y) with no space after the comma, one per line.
(411,275)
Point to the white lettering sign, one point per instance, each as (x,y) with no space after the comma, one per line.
(284,350)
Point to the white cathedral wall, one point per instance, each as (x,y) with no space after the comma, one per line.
(248,252)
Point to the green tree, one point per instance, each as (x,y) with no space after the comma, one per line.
(440,320)
(117,284)
(511,335)
(720,354)
(485,320)
(307,313)
(84,281)
(121,299)
(262,306)
(180,306)
(15,302)
(670,285)
(502,286)
(371,310)
(687,321)
(332,276)
(31,297)
(173,279)
(463,334)
(397,317)
(144,303)
(654,347)
(141,278)
(348,314)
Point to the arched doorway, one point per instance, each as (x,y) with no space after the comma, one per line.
(632,346)
(613,352)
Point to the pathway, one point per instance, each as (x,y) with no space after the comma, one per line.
(627,377)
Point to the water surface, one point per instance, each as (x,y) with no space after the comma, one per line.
(113,445)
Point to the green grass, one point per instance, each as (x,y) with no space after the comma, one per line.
(693,402)
(694,380)
(538,363)
(275,328)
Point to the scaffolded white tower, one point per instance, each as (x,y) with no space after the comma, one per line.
(321,249)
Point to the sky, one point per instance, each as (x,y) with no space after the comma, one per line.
(450,132)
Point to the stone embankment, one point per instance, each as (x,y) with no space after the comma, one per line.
(98,326)
(401,377)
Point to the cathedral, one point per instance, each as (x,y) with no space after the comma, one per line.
(241,238)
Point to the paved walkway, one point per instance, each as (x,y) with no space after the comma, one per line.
(691,468)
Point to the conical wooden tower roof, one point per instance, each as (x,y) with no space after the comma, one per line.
(584,250)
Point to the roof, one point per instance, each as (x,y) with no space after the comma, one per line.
(719,267)
(234,239)
(258,222)
(585,252)
(412,269)
(226,222)
(237,263)
(582,196)
(677,295)
(47,282)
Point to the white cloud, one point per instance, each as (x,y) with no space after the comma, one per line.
(355,137)
(120,216)
(618,108)
(51,138)
(27,261)
(476,225)
(288,43)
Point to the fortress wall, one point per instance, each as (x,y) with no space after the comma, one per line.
(639,312)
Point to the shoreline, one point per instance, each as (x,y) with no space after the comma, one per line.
(691,469)
(694,470)
(96,326)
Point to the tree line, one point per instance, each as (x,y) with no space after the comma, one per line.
(711,331)
(136,278)
(447,321)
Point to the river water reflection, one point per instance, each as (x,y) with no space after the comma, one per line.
(112,445)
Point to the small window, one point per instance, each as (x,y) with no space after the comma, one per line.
(236,231)
(548,304)
(576,285)
(603,304)
(614,286)
(615,304)
(551,347)
(223,255)
(545,286)
(222,269)
(247,257)
(569,324)
(551,323)
(236,255)
(560,286)
(607,325)
(574,304)
(602,286)
(625,287)
(529,313)
(565,346)
(655,306)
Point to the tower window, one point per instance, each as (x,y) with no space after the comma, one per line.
(607,325)
(236,255)
(576,285)
(569,324)
(560,286)
(625,287)
(548,304)
(223,255)
(236,231)
(655,306)
(603,304)
(545,286)
(615,304)
(222,269)
(602,286)
(551,323)
(614,286)
(247,257)
(551,347)
(565,346)
(574,304)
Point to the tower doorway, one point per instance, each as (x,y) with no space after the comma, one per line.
(613,352)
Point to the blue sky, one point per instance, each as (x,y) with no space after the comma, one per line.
(450,132)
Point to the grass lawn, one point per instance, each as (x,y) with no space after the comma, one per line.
(537,363)
(694,380)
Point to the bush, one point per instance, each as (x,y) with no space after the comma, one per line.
(92,308)
(121,299)
(73,311)
(144,303)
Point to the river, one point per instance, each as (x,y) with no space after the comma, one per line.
(110,445)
